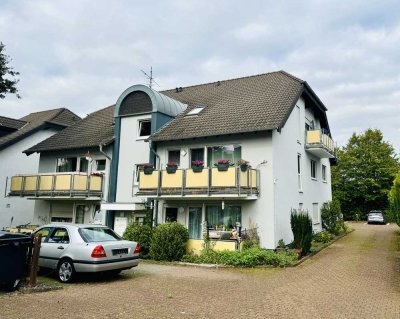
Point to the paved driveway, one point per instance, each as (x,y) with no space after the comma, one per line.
(357,277)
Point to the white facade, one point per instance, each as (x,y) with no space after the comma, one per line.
(14,162)
(279,178)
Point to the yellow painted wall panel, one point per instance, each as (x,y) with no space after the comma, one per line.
(224,178)
(313,137)
(63,183)
(46,183)
(30,183)
(244,178)
(195,246)
(148,181)
(16,183)
(253,178)
(195,180)
(171,180)
(80,182)
(96,183)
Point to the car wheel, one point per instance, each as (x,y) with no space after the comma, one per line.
(66,271)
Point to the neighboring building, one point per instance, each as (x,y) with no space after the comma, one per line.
(275,121)
(16,135)
(72,177)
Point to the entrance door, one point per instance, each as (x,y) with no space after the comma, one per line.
(171,214)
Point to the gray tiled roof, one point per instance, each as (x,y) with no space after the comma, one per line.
(11,123)
(255,103)
(96,128)
(35,121)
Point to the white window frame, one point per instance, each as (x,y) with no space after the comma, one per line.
(299,173)
(315,213)
(105,165)
(313,167)
(142,137)
(299,125)
(323,172)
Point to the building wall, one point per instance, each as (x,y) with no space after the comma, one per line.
(255,213)
(287,145)
(133,150)
(14,162)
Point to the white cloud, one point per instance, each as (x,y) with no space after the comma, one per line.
(83,54)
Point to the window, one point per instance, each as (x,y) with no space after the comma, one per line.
(217,217)
(196,154)
(195,222)
(66,164)
(174,156)
(44,232)
(83,164)
(315,213)
(144,128)
(95,234)
(80,214)
(59,236)
(323,172)
(171,214)
(230,152)
(101,165)
(299,172)
(313,169)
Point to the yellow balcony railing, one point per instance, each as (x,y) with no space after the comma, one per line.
(57,184)
(320,144)
(209,181)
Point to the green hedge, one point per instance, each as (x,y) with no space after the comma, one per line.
(250,257)
(141,234)
(169,242)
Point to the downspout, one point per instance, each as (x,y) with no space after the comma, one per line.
(158,168)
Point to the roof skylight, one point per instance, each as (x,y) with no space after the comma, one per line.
(196,110)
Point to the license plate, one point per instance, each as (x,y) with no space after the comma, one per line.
(121,251)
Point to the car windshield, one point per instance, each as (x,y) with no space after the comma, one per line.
(95,234)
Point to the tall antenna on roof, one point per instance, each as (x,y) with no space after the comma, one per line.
(150,77)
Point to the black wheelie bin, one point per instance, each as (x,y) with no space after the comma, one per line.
(13,258)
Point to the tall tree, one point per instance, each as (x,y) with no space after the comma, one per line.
(8,82)
(364,174)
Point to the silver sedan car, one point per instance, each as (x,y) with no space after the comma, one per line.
(70,248)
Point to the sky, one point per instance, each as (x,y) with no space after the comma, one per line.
(82,54)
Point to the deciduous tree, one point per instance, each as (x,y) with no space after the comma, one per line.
(364,174)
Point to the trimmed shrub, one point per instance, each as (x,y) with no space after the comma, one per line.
(302,230)
(251,257)
(169,242)
(141,234)
(332,218)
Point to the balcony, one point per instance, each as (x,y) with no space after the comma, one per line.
(57,185)
(320,144)
(210,183)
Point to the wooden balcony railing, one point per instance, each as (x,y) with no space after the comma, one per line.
(57,184)
(320,144)
(208,182)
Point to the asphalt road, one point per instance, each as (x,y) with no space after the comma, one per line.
(356,277)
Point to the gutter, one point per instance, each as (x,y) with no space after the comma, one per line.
(102,152)
(155,206)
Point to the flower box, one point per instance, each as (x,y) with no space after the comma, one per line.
(197,168)
(171,169)
(148,170)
